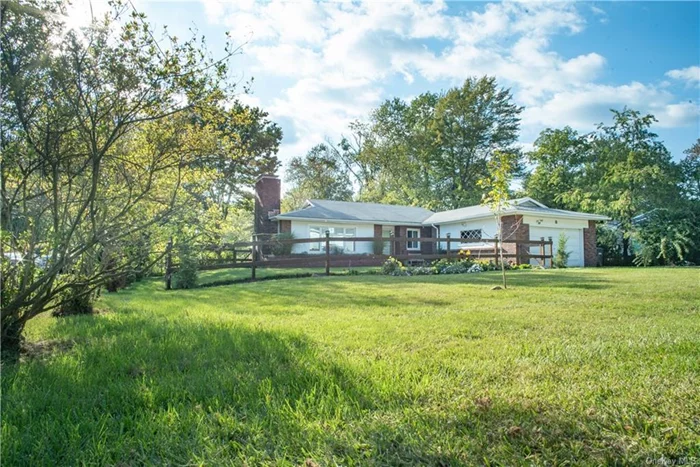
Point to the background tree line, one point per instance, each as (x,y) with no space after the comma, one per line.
(433,150)
(112,144)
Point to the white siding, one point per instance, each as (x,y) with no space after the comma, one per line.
(553,227)
(300,229)
(487,225)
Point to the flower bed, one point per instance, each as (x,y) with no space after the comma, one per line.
(462,264)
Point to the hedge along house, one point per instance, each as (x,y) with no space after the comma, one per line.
(525,219)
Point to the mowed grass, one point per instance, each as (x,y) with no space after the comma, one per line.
(582,367)
(206,278)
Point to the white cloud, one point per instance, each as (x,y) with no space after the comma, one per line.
(690,75)
(584,107)
(339,60)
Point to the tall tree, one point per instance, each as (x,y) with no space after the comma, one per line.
(316,175)
(629,172)
(559,157)
(471,123)
(98,139)
(690,172)
(432,150)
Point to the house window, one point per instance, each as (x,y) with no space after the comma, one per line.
(334,232)
(413,233)
(470,234)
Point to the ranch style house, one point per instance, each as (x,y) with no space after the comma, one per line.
(524,219)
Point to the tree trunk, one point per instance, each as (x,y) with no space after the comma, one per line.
(503,267)
(11,338)
(625,249)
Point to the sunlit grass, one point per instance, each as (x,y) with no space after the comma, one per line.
(593,366)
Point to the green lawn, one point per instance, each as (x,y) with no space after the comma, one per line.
(593,366)
(223,275)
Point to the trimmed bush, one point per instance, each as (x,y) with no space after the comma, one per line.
(283,249)
(186,275)
(76,301)
(378,246)
(394,267)
(561,259)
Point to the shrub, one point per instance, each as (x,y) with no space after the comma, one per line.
(458,267)
(116,282)
(422,271)
(336,250)
(378,246)
(487,265)
(394,267)
(186,275)
(75,301)
(282,249)
(562,257)
(669,237)
(610,241)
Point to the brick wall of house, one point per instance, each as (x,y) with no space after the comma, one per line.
(400,247)
(590,250)
(377,230)
(514,229)
(285,226)
(267,203)
(425,247)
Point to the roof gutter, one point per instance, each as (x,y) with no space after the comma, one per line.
(581,216)
(282,217)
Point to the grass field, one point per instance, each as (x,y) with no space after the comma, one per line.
(585,367)
(206,278)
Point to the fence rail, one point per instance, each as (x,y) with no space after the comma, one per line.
(261,253)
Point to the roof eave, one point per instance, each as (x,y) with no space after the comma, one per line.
(581,216)
(282,217)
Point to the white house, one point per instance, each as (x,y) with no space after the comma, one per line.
(523,219)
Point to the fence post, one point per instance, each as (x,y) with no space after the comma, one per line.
(449,244)
(234,255)
(254,257)
(495,251)
(543,253)
(169,264)
(328,254)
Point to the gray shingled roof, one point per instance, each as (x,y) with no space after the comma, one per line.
(407,215)
(520,206)
(366,212)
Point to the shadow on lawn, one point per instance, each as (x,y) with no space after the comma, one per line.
(161,391)
(156,390)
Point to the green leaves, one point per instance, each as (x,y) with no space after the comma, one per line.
(317,175)
(432,150)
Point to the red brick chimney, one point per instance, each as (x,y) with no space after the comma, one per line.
(267,204)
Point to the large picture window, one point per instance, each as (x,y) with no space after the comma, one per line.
(413,233)
(334,232)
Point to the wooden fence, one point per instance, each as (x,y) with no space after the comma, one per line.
(258,254)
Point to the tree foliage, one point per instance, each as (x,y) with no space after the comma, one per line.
(316,176)
(497,194)
(621,170)
(669,236)
(106,137)
(690,172)
(560,157)
(432,150)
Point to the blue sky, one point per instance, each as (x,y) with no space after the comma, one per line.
(318,66)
